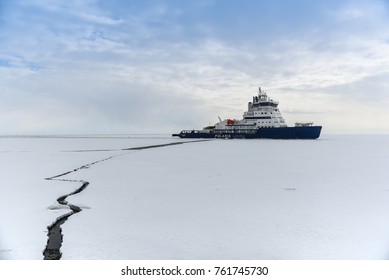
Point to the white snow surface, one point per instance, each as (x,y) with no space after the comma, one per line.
(219,199)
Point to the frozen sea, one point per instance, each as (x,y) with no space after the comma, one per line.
(218,199)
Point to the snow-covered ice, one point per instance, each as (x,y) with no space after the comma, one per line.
(28,202)
(219,199)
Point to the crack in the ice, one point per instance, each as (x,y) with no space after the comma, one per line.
(55,236)
(54,242)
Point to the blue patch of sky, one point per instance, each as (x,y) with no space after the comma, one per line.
(232,21)
(149,23)
(235,21)
(4,63)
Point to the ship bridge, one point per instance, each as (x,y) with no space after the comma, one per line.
(263,112)
(262,100)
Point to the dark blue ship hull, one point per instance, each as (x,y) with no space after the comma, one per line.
(295,132)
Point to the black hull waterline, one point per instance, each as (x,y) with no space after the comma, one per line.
(294,132)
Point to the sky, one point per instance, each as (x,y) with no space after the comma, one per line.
(148,66)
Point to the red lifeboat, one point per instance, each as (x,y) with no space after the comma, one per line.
(230,121)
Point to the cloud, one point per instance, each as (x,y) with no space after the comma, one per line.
(360,10)
(98,19)
(84,67)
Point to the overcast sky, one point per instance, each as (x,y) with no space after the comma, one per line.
(161,66)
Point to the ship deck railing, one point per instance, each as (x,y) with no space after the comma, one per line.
(303,123)
(234,131)
(195,131)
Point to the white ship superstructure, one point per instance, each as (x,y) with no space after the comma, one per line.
(262,113)
(262,119)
